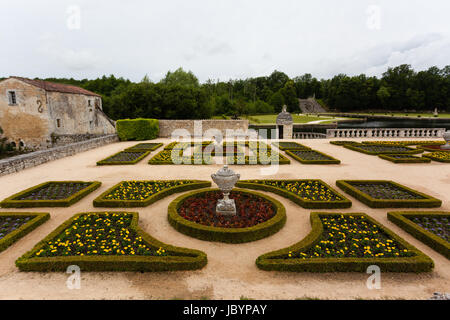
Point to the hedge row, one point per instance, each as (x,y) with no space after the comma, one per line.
(178,259)
(145,147)
(272,261)
(308,204)
(343,142)
(441,156)
(23,230)
(184,145)
(290,146)
(426,202)
(12,203)
(107,162)
(356,148)
(402,219)
(304,161)
(406,159)
(102,202)
(227,235)
(257,160)
(137,129)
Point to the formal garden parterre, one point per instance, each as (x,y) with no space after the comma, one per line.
(177,157)
(129,194)
(440,156)
(348,242)
(310,194)
(51,194)
(15,225)
(145,147)
(124,158)
(382,149)
(107,241)
(430,227)
(312,157)
(257,216)
(283,145)
(387,194)
(403,158)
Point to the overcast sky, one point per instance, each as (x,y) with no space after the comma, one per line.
(220,39)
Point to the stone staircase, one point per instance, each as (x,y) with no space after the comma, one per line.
(310,105)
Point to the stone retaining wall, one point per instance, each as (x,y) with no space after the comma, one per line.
(21,162)
(199,127)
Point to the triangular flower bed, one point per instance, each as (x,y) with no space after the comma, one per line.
(107,241)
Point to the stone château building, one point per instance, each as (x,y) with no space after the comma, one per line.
(34,112)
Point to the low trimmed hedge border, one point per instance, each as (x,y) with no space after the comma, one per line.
(101,202)
(434,156)
(358,149)
(343,142)
(426,202)
(144,147)
(407,158)
(107,162)
(12,203)
(184,145)
(257,160)
(227,235)
(303,161)
(308,204)
(272,262)
(288,146)
(401,219)
(194,159)
(23,230)
(180,258)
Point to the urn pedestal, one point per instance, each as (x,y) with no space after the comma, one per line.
(226,179)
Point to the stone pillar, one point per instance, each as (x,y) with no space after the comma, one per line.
(288,131)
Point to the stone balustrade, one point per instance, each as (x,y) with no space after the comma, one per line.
(386,133)
(309,135)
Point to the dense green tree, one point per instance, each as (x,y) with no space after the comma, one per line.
(181,78)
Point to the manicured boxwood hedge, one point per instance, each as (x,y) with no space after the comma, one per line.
(441,156)
(402,219)
(227,235)
(403,158)
(330,159)
(137,129)
(23,230)
(145,147)
(360,148)
(178,258)
(110,162)
(308,204)
(426,201)
(184,145)
(273,261)
(343,142)
(100,201)
(241,159)
(283,145)
(164,157)
(12,201)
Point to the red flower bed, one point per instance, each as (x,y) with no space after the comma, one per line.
(251,210)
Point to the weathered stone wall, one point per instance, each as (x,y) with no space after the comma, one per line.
(77,114)
(199,127)
(27,121)
(65,139)
(21,162)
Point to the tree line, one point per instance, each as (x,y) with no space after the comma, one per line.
(180,95)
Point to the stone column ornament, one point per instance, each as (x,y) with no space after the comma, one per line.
(226,179)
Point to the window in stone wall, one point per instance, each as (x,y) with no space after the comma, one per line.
(58,123)
(12,98)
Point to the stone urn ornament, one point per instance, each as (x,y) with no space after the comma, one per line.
(446,137)
(226,179)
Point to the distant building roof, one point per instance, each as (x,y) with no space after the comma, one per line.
(57,87)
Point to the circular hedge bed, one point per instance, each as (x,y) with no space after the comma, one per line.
(258,216)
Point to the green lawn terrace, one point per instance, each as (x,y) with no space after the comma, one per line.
(225,267)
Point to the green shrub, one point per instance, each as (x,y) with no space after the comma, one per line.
(402,219)
(10,238)
(227,235)
(137,129)
(276,261)
(403,158)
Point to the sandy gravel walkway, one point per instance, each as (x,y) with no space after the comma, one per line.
(231,272)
